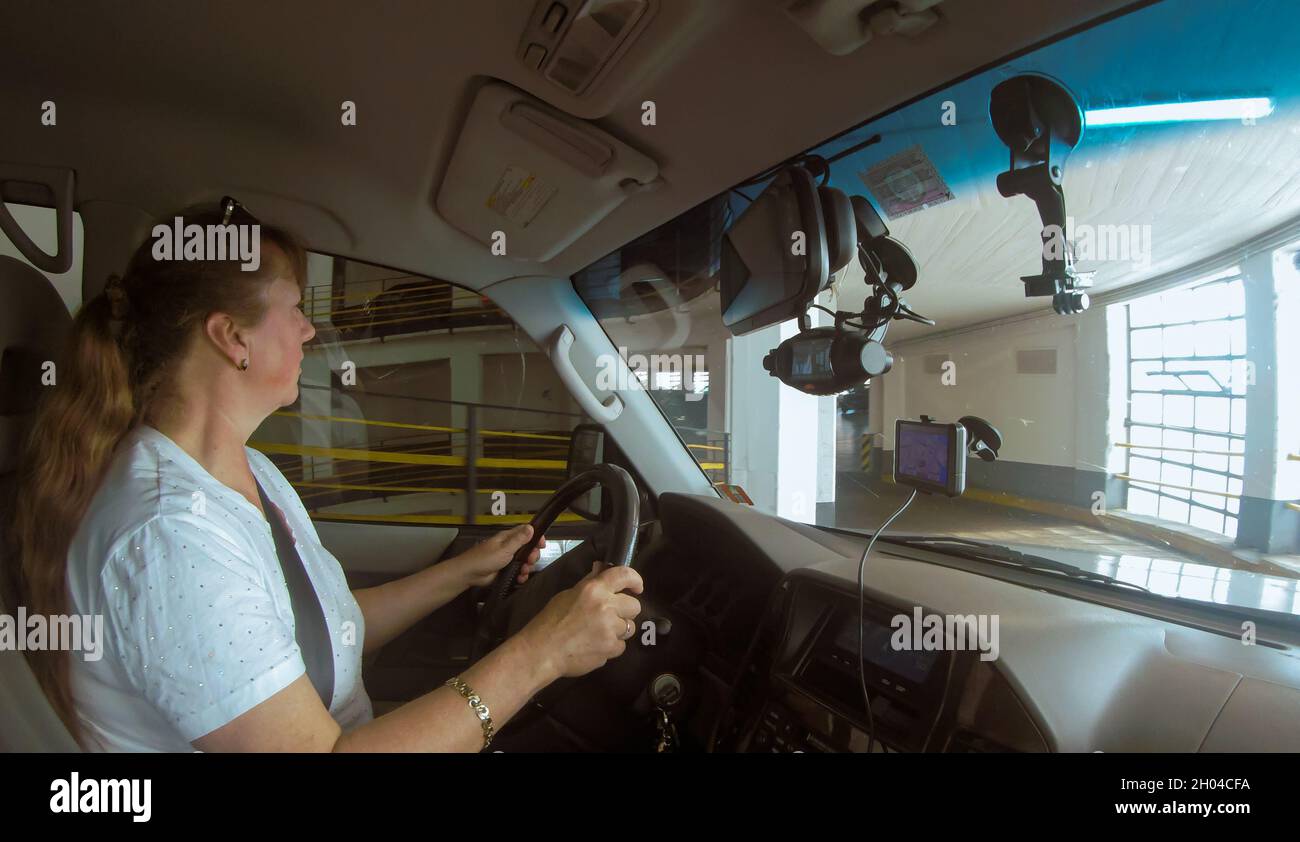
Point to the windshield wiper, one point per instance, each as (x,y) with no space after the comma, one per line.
(1005,555)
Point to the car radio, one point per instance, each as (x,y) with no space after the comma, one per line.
(815,702)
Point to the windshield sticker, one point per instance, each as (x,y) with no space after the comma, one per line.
(519,196)
(906,183)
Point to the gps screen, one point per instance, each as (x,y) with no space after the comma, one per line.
(923,452)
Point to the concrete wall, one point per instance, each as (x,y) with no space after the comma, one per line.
(524,380)
(1056,427)
(1271,479)
(1059,429)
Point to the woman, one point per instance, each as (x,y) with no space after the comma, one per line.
(139,501)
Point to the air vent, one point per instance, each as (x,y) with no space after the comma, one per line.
(572,42)
(1036,361)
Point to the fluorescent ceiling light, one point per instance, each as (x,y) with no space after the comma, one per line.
(1181,112)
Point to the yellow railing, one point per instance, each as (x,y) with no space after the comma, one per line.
(442,520)
(405,426)
(1180,487)
(1133,446)
(499,466)
(398,457)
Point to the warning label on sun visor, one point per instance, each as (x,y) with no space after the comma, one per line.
(519,196)
(906,183)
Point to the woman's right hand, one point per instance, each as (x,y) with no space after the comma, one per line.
(583,627)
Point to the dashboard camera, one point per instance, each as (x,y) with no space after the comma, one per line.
(782,252)
(826,361)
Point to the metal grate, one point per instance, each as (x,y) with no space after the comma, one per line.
(1186,416)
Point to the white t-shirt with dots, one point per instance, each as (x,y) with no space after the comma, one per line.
(197,625)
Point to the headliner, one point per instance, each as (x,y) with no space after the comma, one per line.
(162,104)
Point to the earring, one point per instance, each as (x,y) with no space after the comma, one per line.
(243,364)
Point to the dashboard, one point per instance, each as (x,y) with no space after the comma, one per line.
(1077,668)
(922,698)
(757,637)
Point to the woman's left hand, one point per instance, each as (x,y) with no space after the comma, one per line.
(480,564)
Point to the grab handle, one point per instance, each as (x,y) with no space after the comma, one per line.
(600,412)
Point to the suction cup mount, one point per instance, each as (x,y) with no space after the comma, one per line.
(1041,123)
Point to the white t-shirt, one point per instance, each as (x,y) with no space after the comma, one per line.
(198,627)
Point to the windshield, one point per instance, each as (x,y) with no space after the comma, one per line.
(1153,438)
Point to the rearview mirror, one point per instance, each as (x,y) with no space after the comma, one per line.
(586,450)
(775,258)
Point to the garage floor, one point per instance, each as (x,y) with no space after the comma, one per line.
(865,504)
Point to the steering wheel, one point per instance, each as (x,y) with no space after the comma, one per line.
(619,536)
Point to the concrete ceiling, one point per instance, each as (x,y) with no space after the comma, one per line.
(1178,199)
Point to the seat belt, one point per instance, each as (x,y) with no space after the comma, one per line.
(309,627)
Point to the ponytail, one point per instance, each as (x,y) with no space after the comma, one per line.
(77,426)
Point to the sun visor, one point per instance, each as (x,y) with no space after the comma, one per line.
(527,180)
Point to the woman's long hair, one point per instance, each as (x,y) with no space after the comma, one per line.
(110,370)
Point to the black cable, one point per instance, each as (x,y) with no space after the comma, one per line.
(804,156)
(862,598)
(943,702)
(844,153)
(763,176)
(844,321)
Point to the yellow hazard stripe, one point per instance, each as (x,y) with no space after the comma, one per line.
(339,486)
(1133,479)
(405,426)
(447,520)
(403,458)
(1132,446)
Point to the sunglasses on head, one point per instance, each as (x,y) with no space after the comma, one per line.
(233,211)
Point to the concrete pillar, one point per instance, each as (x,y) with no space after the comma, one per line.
(777,432)
(826,417)
(715,361)
(753,394)
(316,433)
(466,379)
(316,371)
(1272,408)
